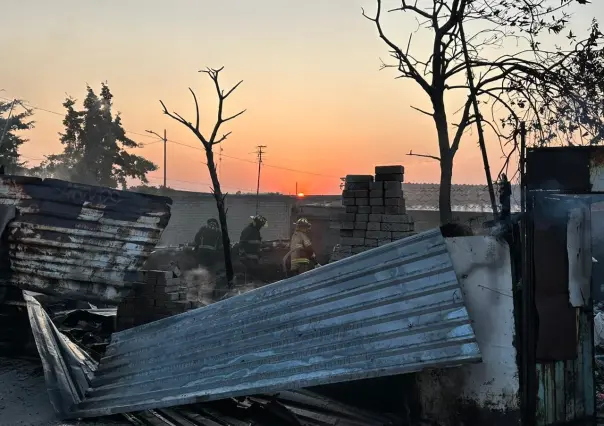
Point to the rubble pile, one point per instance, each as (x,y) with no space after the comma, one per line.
(375,212)
(163,294)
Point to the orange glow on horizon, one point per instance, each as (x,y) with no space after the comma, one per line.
(300,194)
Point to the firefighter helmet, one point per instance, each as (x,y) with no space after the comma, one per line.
(302,223)
(259,220)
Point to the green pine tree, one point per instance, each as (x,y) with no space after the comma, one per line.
(11,141)
(95,146)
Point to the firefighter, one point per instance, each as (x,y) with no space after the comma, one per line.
(250,240)
(208,241)
(301,251)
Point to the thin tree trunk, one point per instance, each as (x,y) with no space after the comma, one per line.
(222,218)
(446,160)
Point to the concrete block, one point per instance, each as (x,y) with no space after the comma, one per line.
(354,186)
(374,226)
(376,193)
(397,227)
(352,209)
(384,241)
(361,201)
(355,193)
(358,233)
(371,242)
(352,241)
(358,178)
(359,249)
(395,210)
(389,185)
(373,217)
(397,218)
(347,217)
(378,234)
(349,201)
(362,217)
(364,209)
(376,202)
(360,225)
(396,177)
(387,170)
(346,232)
(347,225)
(345,249)
(376,185)
(393,193)
(394,201)
(378,209)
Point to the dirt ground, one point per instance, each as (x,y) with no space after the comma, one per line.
(24,400)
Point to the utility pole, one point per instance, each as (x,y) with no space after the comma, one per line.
(165,140)
(259,153)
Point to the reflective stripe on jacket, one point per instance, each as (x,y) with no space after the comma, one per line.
(301,248)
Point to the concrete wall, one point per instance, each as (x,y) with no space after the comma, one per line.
(191,210)
(485,393)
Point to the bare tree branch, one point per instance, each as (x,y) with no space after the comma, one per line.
(433,157)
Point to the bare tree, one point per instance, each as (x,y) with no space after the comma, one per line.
(458,60)
(208,145)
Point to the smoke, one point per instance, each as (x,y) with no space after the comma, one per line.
(200,286)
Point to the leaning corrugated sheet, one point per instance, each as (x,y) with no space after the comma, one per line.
(79,241)
(394,309)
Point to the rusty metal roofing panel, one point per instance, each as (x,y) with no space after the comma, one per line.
(394,309)
(79,241)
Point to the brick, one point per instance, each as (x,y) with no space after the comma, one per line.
(394,201)
(401,235)
(355,186)
(397,227)
(378,209)
(371,242)
(376,193)
(346,232)
(389,177)
(360,225)
(376,201)
(347,225)
(352,241)
(359,178)
(397,218)
(376,185)
(389,185)
(347,217)
(358,233)
(395,210)
(349,201)
(361,201)
(378,234)
(374,226)
(362,217)
(393,193)
(352,209)
(386,170)
(375,217)
(364,209)
(355,193)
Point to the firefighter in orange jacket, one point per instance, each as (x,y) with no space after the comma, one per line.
(301,251)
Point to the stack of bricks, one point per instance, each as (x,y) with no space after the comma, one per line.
(375,212)
(160,294)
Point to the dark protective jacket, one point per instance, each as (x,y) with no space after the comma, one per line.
(208,238)
(249,242)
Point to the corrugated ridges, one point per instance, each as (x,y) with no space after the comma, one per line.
(394,309)
(80,241)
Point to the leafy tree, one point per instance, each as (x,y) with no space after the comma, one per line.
(530,84)
(208,141)
(13,118)
(95,146)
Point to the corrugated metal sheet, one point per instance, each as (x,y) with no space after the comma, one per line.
(394,309)
(79,241)
(566,389)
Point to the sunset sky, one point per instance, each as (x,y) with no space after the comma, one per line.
(312,85)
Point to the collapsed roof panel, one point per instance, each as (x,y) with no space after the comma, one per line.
(79,241)
(394,309)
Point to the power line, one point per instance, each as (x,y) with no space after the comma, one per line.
(190,146)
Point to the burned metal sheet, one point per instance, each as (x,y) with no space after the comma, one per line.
(394,309)
(79,241)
